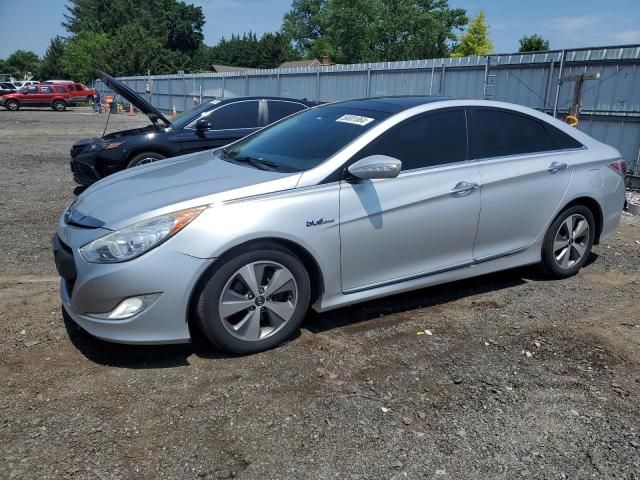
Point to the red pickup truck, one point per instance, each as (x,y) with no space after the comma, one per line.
(54,96)
(79,92)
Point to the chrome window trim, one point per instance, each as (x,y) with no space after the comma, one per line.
(210,112)
(338,160)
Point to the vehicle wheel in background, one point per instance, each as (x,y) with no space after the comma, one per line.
(255,300)
(12,105)
(567,245)
(144,158)
(59,106)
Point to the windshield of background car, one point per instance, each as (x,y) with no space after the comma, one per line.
(305,140)
(185,118)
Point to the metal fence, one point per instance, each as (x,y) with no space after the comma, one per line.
(610,105)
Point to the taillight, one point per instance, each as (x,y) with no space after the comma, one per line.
(619,166)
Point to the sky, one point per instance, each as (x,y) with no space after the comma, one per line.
(566,23)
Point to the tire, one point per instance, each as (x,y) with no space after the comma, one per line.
(145,158)
(564,253)
(12,105)
(59,106)
(255,326)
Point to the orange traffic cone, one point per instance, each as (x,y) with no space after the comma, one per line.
(132,112)
(174,114)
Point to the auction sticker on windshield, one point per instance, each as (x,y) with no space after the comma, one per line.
(355,120)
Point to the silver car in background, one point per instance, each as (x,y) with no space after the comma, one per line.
(336,205)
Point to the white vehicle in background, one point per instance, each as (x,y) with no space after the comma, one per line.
(20,85)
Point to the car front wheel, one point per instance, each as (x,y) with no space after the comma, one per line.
(255,300)
(12,105)
(144,158)
(568,242)
(59,106)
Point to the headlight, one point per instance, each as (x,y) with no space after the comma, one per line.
(105,145)
(132,241)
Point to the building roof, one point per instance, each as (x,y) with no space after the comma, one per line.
(228,68)
(301,63)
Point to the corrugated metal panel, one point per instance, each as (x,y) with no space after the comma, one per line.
(523,78)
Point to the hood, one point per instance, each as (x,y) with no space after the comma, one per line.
(173,184)
(140,103)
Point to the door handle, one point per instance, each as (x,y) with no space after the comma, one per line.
(556,167)
(463,189)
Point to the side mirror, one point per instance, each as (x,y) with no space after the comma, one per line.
(376,166)
(203,124)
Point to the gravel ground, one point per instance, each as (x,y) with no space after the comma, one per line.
(520,376)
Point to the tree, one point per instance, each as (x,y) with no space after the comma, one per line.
(85,53)
(533,43)
(247,50)
(175,24)
(372,30)
(22,63)
(475,41)
(130,38)
(51,65)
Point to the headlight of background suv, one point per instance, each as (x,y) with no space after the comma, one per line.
(132,241)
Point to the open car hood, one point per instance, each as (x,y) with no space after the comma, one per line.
(136,100)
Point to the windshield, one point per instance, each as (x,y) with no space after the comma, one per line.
(185,118)
(305,140)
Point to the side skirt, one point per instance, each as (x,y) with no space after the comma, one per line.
(479,267)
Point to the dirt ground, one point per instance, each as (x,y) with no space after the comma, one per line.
(521,377)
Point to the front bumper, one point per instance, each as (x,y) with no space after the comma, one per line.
(89,167)
(88,288)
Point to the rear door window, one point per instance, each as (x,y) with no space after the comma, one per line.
(45,89)
(434,139)
(236,115)
(279,109)
(60,89)
(499,133)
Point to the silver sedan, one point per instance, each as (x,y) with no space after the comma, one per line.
(333,206)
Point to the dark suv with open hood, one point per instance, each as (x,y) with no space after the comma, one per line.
(213,124)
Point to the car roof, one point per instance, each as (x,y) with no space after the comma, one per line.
(391,104)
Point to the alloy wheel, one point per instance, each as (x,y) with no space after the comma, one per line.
(258,300)
(571,241)
(147,160)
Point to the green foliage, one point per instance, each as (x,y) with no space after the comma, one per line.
(125,37)
(84,53)
(247,51)
(533,43)
(22,63)
(51,65)
(351,31)
(176,25)
(475,41)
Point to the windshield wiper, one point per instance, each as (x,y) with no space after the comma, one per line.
(256,162)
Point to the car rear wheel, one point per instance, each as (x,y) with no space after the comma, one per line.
(255,300)
(568,242)
(144,158)
(59,106)
(12,105)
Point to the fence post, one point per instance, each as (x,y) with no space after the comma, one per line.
(223,90)
(368,81)
(433,73)
(318,86)
(442,74)
(560,71)
(548,88)
(278,85)
(246,84)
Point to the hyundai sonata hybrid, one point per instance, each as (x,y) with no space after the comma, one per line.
(335,205)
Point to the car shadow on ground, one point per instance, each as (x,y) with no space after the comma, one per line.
(170,356)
